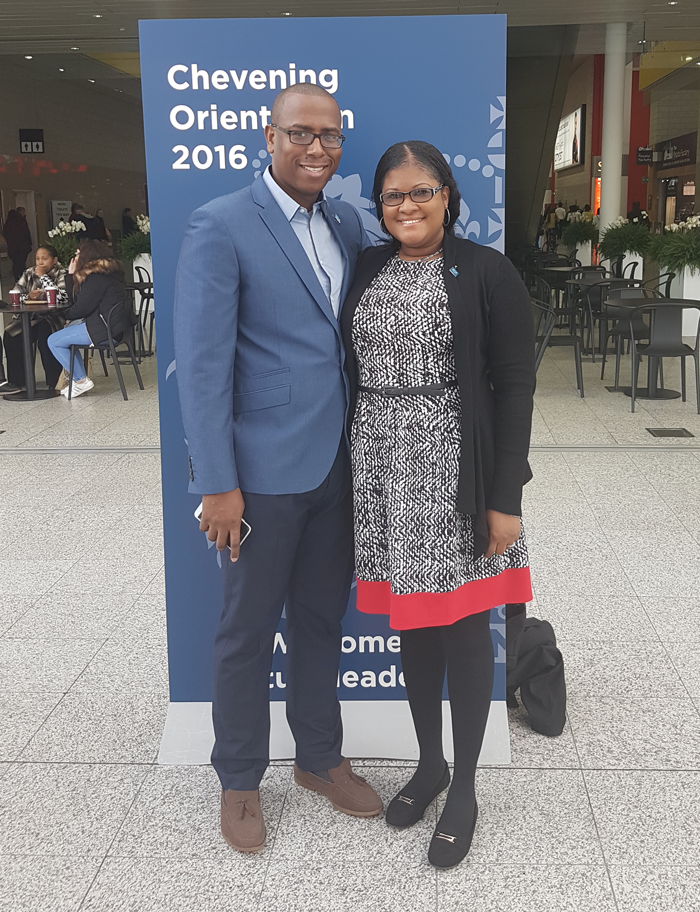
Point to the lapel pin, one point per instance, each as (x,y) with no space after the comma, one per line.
(454,271)
(336,217)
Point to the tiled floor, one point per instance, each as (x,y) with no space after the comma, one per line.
(605,817)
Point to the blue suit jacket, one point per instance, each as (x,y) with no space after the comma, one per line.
(258,348)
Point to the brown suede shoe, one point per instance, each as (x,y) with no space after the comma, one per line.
(347,792)
(242,823)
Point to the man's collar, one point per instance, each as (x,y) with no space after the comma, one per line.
(288,206)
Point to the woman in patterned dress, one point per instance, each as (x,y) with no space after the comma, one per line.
(440,355)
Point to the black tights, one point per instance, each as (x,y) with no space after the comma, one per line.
(465,650)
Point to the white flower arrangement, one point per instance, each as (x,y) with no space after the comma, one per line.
(692,223)
(619,222)
(143,223)
(65,229)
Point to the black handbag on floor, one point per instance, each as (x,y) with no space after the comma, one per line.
(535,665)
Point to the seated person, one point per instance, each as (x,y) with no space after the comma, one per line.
(46,271)
(95,283)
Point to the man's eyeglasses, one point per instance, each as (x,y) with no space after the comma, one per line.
(420,195)
(304,138)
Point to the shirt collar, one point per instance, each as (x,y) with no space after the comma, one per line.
(288,206)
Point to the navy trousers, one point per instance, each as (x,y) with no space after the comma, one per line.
(299,553)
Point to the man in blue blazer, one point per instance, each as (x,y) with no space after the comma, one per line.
(260,282)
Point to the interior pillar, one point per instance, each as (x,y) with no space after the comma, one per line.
(613,122)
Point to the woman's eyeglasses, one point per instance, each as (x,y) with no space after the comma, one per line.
(420,195)
(304,138)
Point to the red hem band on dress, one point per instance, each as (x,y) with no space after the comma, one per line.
(439,609)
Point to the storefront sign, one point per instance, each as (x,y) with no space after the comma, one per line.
(681,150)
(569,147)
(645,155)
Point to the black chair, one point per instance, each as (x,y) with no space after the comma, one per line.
(111,346)
(145,308)
(593,296)
(621,331)
(665,341)
(545,316)
(661,283)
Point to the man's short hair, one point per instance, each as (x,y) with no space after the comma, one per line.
(302,88)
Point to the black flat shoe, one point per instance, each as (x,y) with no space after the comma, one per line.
(7,387)
(405,811)
(447,851)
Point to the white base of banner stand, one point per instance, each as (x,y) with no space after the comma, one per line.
(373,729)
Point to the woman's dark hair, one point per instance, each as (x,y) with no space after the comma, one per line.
(49,249)
(91,250)
(88,252)
(425,156)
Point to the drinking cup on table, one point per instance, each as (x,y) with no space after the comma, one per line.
(15,297)
(51,295)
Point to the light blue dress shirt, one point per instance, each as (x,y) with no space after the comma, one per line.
(316,238)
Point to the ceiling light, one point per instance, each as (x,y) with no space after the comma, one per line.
(285,14)
(61,70)
(28,57)
(97,16)
(673,3)
(91,80)
(117,90)
(75,49)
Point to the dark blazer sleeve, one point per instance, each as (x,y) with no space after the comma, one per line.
(511,367)
(88,301)
(207,288)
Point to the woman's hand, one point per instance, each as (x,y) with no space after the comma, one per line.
(73,265)
(35,294)
(504,531)
(40,270)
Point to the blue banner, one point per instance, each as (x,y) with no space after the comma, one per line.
(208,88)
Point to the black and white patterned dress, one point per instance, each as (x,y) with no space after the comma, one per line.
(409,535)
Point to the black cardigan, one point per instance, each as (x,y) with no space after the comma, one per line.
(95,298)
(493,332)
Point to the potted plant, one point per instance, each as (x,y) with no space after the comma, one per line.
(580,234)
(64,237)
(138,243)
(629,240)
(678,250)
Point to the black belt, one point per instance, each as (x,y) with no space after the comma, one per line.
(435,389)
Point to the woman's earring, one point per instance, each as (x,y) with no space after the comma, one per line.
(448,217)
(382,225)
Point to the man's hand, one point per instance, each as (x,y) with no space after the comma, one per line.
(504,531)
(221,520)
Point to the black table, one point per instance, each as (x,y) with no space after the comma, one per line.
(25,313)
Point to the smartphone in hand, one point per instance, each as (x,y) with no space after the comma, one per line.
(245,528)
